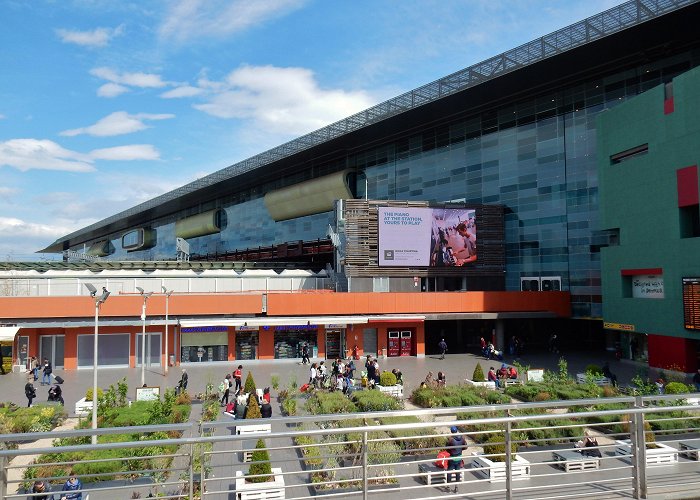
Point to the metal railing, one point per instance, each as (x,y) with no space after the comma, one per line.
(647,446)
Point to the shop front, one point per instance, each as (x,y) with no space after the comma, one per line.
(335,341)
(203,344)
(247,342)
(289,339)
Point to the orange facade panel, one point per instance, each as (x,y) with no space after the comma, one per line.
(419,303)
(130,305)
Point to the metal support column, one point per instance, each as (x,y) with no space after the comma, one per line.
(639,451)
(509,458)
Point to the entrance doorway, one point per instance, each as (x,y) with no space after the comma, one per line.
(153,349)
(369,340)
(52,347)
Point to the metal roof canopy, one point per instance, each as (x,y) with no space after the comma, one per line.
(579,34)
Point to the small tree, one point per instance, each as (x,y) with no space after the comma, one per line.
(253,409)
(249,386)
(478,375)
(387,379)
(261,464)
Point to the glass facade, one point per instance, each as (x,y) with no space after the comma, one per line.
(535,156)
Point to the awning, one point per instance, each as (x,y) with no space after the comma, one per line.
(8,333)
(275,321)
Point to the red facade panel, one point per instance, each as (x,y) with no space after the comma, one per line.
(687,180)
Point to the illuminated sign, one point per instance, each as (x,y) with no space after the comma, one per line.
(691,303)
(200,329)
(426,237)
(618,326)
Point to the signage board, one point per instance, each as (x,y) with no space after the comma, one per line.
(147,393)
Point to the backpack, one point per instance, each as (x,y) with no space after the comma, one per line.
(442,457)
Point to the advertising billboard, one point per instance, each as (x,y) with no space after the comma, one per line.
(426,237)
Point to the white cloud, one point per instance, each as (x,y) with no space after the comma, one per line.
(2,117)
(111,90)
(37,154)
(11,227)
(126,153)
(282,100)
(6,193)
(218,18)
(184,91)
(28,154)
(119,83)
(98,37)
(117,123)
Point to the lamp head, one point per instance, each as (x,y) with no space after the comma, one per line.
(105,294)
(91,289)
(140,290)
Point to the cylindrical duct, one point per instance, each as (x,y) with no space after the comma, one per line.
(311,197)
(202,224)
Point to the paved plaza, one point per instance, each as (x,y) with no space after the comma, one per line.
(457,367)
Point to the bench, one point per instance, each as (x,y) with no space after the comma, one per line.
(432,474)
(254,429)
(583,378)
(690,448)
(569,460)
(512,381)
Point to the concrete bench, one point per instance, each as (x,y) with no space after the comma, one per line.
(432,474)
(690,448)
(512,381)
(254,429)
(582,378)
(569,460)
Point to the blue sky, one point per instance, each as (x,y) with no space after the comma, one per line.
(106,104)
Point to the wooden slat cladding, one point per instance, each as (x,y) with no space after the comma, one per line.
(362,242)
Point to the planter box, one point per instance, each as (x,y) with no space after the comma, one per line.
(496,471)
(391,390)
(582,378)
(486,383)
(260,491)
(83,407)
(254,429)
(661,455)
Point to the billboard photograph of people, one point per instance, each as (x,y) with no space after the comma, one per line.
(430,237)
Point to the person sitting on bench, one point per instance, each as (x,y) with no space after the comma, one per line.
(589,442)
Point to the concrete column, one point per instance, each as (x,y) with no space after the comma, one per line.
(500,335)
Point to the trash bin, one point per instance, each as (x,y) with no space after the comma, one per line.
(171,361)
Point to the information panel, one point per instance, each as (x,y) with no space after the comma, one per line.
(691,303)
(426,237)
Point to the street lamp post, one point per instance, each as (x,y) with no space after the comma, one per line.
(143,334)
(98,302)
(167,299)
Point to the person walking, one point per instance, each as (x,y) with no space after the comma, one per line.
(442,345)
(226,388)
(46,377)
(305,354)
(71,489)
(29,391)
(182,384)
(35,368)
(455,444)
(238,379)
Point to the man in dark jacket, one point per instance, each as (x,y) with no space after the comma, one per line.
(442,345)
(455,444)
(47,370)
(42,487)
(29,391)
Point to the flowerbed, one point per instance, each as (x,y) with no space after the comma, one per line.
(455,396)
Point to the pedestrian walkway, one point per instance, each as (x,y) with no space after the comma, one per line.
(456,367)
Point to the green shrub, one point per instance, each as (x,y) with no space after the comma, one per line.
(456,395)
(261,464)
(387,379)
(253,408)
(676,388)
(88,394)
(478,375)
(375,401)
(324,403)
(275,381)
(594,370)
(289,407)
(249,386)
(418,441)
(495,446)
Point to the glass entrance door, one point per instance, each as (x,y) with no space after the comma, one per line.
(52,347)
(153,349)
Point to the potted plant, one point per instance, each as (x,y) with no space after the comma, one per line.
(388,385)
(492,463)
(262,481)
